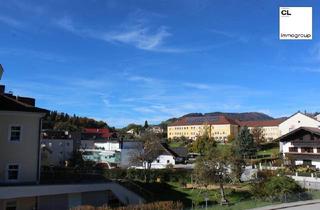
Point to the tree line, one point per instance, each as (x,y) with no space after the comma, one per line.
(64,122)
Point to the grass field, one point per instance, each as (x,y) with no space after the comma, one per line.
(239,197)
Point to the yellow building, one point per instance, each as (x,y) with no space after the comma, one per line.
(219,127)
(270,128)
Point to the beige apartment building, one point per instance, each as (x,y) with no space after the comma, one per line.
(270,128)
(20,124)
(20,184)
(218,127)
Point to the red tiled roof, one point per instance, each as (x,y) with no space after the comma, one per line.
(212,120)
(262,123)
(103,132)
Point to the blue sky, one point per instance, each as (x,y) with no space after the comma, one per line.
(130,61)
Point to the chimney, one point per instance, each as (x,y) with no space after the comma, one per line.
(2,89)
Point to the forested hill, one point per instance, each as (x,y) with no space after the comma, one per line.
(244,116)
(62,121)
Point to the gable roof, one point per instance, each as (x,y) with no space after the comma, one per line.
(314,131)
(261,123)
(301,114)
(167,150)
(181,151)
(202,120)
(10,104)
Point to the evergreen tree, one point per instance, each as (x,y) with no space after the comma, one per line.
(244,144)
(146,124)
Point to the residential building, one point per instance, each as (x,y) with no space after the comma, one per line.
(57,148)
(219,127)
(167,158)
(20,125)
(155,129)
(297,120)
(301,146)
(113,152)
(270,128)
(20,184)
(109,157)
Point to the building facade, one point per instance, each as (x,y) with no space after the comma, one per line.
(270,128)
(218,127)
(296,121)
(20,125)
(20,184)
(301,146)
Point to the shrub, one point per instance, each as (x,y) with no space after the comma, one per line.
(165,175)
(163,205)
(275,187)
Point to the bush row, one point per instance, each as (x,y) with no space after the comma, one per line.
(163,205)
(162,175)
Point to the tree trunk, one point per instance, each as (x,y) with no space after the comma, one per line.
(223,196)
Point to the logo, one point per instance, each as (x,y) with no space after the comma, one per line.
(285,12)
(295,23)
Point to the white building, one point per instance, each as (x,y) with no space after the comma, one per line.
(296,121)
(301,146)
(166,159)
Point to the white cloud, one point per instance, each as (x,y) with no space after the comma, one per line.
(140,36)
(10,21)
(198,86)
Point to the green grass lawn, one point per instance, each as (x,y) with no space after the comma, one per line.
(239,198)
(175,144)
(270,151)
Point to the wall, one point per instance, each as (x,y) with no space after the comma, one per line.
(108,145)
(25,153)
(26,203)
(296,121)
(219,132)
(163,161)
(270,132)
(61,150)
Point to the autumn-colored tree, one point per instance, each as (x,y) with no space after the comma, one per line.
(203,143)
(212,168)
(150,151)
(258,136)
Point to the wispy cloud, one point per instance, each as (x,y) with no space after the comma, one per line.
(141,78)
(10,21)
(33,53)
(140,36)
(315,52)
(32,8)
(230,35)
(197,86)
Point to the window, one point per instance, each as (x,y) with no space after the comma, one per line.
(15,133)
(293,149)
(168,161)
(13,172)
(307,149)
(307,162)
(158,161)
(11,205)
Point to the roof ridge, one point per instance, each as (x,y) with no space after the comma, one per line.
(17,101)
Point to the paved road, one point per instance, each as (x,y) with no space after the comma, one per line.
(301,205)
